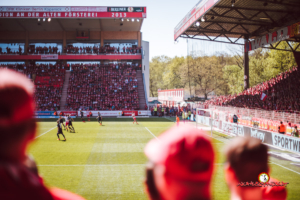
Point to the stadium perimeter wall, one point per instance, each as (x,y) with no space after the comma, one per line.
(267,137)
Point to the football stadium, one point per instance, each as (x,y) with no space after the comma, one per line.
(85,114)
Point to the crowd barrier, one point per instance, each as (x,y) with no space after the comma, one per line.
(44,113)
(71,113)
(116,113)
(50,117)
(282,141)
(50,114)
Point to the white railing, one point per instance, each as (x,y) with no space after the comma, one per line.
(263,114)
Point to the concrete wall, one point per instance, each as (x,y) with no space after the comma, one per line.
(145,65)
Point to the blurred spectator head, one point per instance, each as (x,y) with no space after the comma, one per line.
(181,163)
(17,125)
(246,158)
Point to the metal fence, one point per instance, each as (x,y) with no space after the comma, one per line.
(263,114)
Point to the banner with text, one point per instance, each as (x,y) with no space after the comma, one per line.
(72,12)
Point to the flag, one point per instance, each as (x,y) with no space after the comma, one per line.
(263,96)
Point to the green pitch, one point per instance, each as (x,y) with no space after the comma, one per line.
(107,162)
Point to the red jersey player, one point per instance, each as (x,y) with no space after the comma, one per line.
(89,115)
(134,118)
(177,120)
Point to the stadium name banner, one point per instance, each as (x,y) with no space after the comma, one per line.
(49,57)
(275,139)
(144,112)
(71,113)
(273,37)
(197,11)
(103,113)
(44,113)
(72,12)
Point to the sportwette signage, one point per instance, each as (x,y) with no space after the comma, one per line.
(282,141)
(72,12)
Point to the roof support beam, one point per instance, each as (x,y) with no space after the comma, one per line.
(255,9)
(250,24)
(214,31)
(279,3)
(210,40)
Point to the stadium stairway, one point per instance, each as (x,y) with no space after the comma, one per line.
(64,94)
(141,91)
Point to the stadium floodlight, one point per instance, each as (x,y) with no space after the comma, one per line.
(39,19)
(138,20)
(122,20)
(49,19)
(132,20)
(197,24)
(203,19)
(232,3)
(128,20)
(44,19)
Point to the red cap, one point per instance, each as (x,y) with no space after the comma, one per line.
(16,102)
(186,153)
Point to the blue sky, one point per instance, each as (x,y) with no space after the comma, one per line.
(158,27)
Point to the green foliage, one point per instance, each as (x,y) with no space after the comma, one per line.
(108,162)
(234,76)
(221,74)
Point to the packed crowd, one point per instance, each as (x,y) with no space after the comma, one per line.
(282,94)
(163,110)
(103,87)
(102,50)
(15,51)
(43,50)
(181,161)
(48,80)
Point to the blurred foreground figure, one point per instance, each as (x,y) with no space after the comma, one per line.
(18,172)
(181,163)
(246,159)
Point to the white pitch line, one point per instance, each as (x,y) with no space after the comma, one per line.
(45,132)
(102,165)
(285,167)
(152,133)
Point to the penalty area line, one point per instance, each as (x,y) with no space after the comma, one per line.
(152,133)
(45,133)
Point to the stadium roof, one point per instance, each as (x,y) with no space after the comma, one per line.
(240,19)
(71,18)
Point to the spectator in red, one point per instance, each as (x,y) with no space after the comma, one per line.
(18,174)
(181,163)
(246,159)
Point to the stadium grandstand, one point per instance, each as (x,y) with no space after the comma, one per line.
(89,58)
(251,24)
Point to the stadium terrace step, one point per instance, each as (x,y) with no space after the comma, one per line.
(63,99)
(141,91)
